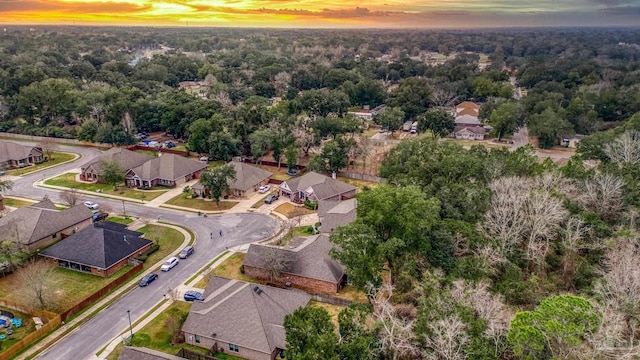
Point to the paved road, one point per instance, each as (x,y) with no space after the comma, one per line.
(237,229)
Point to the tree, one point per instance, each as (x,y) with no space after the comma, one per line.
(10,255)
(49,146)
(505,120)
(412,96)
(111,173)
(357,340)
(291,153)
(603,193)
(548,126)
(558,323)
(439,121)
(334,157)
(216,181)
(391,119)
(198,136)
(358,249)
(5,184)
(276,261)
(70,197)
(310,335)
(625,149)
(222,145)
(261,141)
(36,278)
(88,130)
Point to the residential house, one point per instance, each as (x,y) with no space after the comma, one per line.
(141,353)
(468,121)
(165,170)
(366,113)
(40,225)
(242,319)
(304,263)
(17,155)
(336,213)
(572,141)
(198,88)
(127,159)
(315,187)
(467,108)
(102,249)
(462,132)
(248,180)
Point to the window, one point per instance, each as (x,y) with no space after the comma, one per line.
(53,236)
(233,347)
(197,339)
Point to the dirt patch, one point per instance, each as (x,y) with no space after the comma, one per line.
(290,211)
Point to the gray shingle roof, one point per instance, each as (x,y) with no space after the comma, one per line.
(31,223)
(127,159)
(101,245)
(307,257)
(468,120)
(247,176)
(336,213)
(168,167)
(323,187)
(13,151)
(140,353)
(236,313)
(473,129)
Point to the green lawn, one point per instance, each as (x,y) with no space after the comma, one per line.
(157,333)
(56,158)
(28,326)
(185,200)
(66,287)
(120,220)
(230,269)
(214,164)
(168,239)
(68,180)
(17,203)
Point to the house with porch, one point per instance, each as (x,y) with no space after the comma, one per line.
(468,133)
(315,187)
(165,170)
(126,159)
(248,180)
(101,249)
(304,263)
(242,319)
(39,225)
(13,155)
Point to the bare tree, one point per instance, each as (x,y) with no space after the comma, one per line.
(397,337)
(35,278)
(366,149)
(276,260)
(70,197)
(625,149)
(49,146)
(448,337)
(281,82)
(603,194)
(443,98)
(543,213)
(306,137)
(224,99)
(573,234)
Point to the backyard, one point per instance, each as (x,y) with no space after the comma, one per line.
(290,211)
(56,158)
(68,180)
(28,326)
(185,200)
(168,239)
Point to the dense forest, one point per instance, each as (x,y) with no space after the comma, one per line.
(466,252)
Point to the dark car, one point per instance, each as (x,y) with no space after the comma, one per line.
(148,279)
(193,295)
(271,198)
(186,252)
(99,216)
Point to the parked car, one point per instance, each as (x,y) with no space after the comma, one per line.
(91,205)
(271,198)
(170,264)
(148,279)
(186,252)
(263,189)
(192,295)
(99,216)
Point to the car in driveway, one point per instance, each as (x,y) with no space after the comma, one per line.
(91,205)
(99,216)
(148,279)
(192,295)
(186,252)
(263,189)
(271,198)
(170,264)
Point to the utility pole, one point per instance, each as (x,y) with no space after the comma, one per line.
(124,210)
(130,328)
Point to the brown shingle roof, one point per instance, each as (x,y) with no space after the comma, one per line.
(322,187)
(13,151)
(238,313)
(127,159)
(336,213)
(247,176)
(168,167)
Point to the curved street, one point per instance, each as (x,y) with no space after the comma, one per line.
(237,229)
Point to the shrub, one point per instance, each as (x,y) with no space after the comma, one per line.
(186,189)
(153,249)
(310,205)
(142,257)
(242,269)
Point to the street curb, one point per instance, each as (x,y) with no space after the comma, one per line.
(77,156)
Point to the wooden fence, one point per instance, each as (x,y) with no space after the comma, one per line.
(100,293)
(358,176)
(52,321)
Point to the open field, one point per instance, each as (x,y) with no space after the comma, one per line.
(56,158)
(69,180)
(185,200)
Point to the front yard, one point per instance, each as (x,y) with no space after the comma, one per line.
(68,180)
(17,203)
(120,220)
(56,158)
(185,200)
(290,211)
(168,239)
(229,269)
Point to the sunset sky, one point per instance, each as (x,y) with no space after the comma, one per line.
(324,13)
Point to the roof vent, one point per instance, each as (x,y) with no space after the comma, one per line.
(257,290)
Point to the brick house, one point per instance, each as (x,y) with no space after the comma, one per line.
(305,264)
(126,159)
(102,249)
(242,319)
(315,187)
(17,155)
(42,224)
(166,170)
(248,180)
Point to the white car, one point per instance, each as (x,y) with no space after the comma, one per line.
(263,189)
(91,205)
(169,264)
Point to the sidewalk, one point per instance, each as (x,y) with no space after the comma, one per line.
(64,330)
(169,194)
